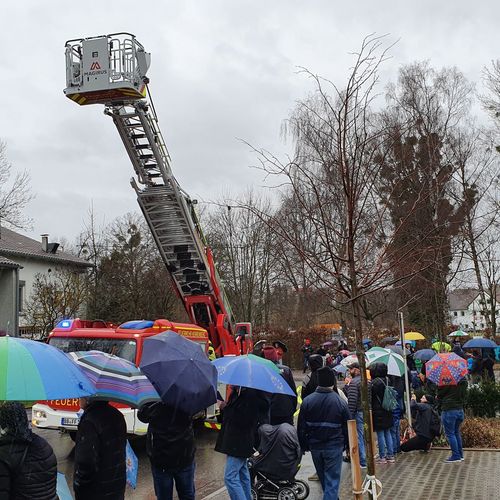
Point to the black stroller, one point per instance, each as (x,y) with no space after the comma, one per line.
(274,468)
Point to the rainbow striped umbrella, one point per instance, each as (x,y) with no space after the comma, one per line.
(446,369)
(33,371)
(115,379)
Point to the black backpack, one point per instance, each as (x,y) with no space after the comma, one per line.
(435,426)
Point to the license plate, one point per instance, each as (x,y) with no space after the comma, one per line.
(70,421)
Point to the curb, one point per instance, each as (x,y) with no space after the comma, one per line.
(466,449)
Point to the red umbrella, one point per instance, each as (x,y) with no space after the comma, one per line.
(446,368)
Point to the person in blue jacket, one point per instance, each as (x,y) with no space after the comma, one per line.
(322,430)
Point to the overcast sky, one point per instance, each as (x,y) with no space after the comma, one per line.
(221,70)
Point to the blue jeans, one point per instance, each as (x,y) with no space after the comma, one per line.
(395,429)
(361,440)
(237,478)
(163,480)
(328,464)
(385,448)
(452,420)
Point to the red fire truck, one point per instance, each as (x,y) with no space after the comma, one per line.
(111,71)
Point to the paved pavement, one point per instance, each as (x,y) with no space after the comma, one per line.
(413,476)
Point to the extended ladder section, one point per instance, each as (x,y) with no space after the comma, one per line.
(111,70)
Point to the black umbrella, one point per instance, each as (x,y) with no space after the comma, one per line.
(180,371)
(389,340)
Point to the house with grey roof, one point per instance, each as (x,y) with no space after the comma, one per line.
(21,260)
(465,309)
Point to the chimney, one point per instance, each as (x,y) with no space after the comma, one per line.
(45,242)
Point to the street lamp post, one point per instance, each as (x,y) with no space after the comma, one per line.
(407,382)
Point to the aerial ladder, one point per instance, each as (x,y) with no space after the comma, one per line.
(111,70)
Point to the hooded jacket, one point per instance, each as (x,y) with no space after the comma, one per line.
(382,419)
(170,438)
(100,454)
(28,469)
(239,423)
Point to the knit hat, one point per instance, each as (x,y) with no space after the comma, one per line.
(14,421)
(270,354)
(326,377)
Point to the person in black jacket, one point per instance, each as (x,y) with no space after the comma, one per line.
(170,447)
(421,414)
(236,438)
(382,418)
(101,439)
(310,382)
(322,430)
(282,406)
(28,466)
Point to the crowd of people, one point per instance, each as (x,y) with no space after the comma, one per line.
(28,465)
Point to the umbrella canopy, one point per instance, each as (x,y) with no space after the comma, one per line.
(441,346)
(265,362)
(32,371)
(402,351)
(340,369)
(345,352)
(424,354)
(446,369)
(180,371)
(349,360)
(367,341)
(115,379)
(389,340)
(395,363)
(479,343)
(414,336)
(327,343)
(458,333)
(245,371)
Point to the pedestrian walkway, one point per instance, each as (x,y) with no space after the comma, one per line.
(422,476)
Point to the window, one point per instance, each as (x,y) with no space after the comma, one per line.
(22,293)
(455,313)
(462,313)
(123,348)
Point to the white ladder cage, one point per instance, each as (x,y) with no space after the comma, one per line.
(128,61)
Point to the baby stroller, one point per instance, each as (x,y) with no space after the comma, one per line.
(274,466)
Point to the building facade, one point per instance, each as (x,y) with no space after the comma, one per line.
(21,260)
(466,309)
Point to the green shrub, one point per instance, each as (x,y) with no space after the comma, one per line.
(483,399)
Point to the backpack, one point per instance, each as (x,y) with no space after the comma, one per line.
(390,402)
(435,425)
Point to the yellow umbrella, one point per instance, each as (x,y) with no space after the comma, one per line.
(414,336)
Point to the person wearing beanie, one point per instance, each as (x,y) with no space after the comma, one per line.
(424,424)
(310,382)
(322,430)
(282,406)
(28,466)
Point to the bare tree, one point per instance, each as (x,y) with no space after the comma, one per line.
(334,182)
(55,296)
(14,193)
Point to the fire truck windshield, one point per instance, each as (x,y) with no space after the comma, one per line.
(123,348)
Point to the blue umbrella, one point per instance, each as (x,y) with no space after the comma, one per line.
(425,354)
(479,343)
(340,369)
(367,341)
(180,371)
(247,372)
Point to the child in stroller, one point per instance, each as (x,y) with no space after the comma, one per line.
(274,466)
